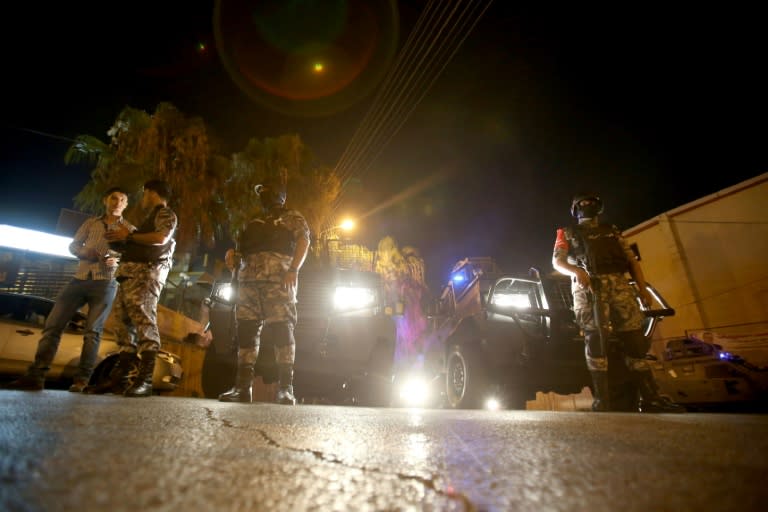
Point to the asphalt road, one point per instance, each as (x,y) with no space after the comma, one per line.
(61,451)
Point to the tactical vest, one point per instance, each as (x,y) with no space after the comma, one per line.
(148,253)
(597,249)
(267,235)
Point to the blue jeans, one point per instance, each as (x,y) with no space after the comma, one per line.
(99,295)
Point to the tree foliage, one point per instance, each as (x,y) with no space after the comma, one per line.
(213,193)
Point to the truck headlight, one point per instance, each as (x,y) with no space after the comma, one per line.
(515,300)
(349,298)
(414,391)
(224,293)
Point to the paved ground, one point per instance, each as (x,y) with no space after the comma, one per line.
(67,452)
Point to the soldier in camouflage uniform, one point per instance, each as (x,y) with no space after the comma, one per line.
(598,258)
(272,249)
(147,255)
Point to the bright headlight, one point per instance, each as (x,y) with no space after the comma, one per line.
(351,297)
(515,300)
(225,292)
(414,392)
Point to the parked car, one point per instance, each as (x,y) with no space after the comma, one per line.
(22,318)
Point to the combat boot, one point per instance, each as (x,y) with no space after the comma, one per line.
(284,394)
(651,400)
(242,391)
(600,391)
(27,383)
(142,386)
(78,385)
(119,378)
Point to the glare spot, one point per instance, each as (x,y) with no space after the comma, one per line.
(319,68)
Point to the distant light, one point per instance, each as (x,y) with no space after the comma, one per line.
(319,67)
(201,47)
(35,241)
(347,224)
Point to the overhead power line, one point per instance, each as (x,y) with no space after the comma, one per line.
(440,31)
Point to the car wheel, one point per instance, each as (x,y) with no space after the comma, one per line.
(465,379)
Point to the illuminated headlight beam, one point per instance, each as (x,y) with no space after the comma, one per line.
(414,392)
(351,297)
(514,300)
(224,293)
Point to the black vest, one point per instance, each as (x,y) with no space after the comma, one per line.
(148,253)
(267,235)
(597,249)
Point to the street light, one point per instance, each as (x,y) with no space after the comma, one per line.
(346,225)
(333,233)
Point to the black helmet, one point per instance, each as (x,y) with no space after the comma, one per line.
(588,210)
(271,193)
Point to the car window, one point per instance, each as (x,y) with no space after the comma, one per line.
(34,310)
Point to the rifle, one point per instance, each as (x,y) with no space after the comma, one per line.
(597,311)
(235,288)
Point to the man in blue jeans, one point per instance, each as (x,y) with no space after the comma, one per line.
(93,284)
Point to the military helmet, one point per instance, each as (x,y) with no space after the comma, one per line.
(590,210)
(272,193)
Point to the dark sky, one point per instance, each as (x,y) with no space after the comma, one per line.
(650,106)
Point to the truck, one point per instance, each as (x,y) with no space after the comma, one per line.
(495,338)
(345,338)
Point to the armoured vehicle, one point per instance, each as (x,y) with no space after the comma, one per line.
(344,339)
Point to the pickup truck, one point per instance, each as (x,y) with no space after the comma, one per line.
(499,337)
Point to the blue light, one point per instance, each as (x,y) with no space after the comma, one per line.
(457,278)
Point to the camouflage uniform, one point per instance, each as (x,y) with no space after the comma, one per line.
(140,285)
(620,309)
(268,244)
(599,261)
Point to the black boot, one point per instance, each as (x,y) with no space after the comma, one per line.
(651,400)
(285,390)
(27,383)
(242,391)
(142,386)
(119,378)
(600,391)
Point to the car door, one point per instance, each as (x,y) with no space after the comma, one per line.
(22,319)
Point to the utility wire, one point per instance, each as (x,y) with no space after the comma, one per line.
(396,99)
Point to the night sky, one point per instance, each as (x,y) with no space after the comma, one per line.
(650,106)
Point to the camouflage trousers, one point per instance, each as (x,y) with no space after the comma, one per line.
(618,300)
(135,306)
(622,315)
(266,301)
(267,304)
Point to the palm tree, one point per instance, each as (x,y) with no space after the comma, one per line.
(213,193)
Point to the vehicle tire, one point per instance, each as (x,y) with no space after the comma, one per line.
(465,378)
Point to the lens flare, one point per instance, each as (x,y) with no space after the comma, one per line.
(309,58)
